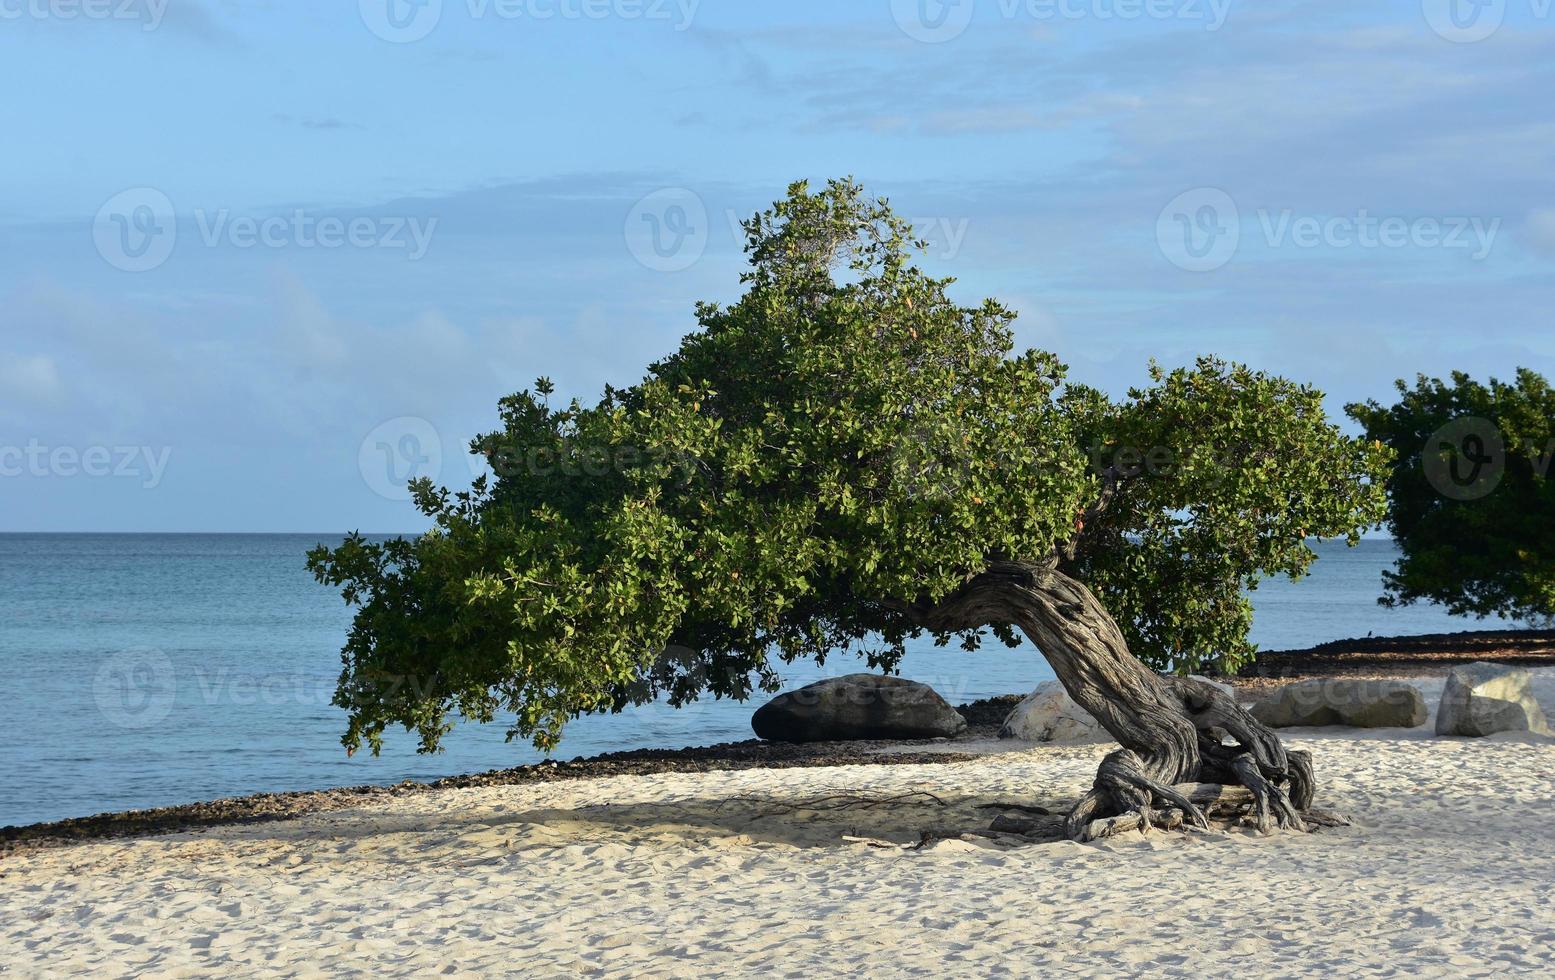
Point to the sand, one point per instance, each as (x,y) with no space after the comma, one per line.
(1450,872)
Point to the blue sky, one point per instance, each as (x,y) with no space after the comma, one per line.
(257,257)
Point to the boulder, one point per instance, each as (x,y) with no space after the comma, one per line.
(1482,699)
(1049,714)
(1352,703)
(858,706)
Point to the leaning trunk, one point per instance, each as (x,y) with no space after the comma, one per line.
(1087,651)
(1172,730)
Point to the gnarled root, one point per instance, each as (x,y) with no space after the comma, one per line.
(1272,809)
(1172,730)
(1128,783)
(1253,778)
(1302,785)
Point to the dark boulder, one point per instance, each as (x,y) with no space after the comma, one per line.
(1353,703)
(858,706)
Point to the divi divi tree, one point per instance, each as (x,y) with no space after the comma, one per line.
(843,460)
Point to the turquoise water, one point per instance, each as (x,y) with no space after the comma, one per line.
(146,670)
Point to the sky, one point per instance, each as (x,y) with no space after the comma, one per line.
(260,260)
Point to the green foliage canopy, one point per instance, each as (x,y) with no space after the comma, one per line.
(843,439)
(1471,502)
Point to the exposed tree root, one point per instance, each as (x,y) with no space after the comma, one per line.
(1135,791)
(1229,805)
(1172,730)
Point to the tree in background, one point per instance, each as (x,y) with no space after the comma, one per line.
(843,460)
(1471,502)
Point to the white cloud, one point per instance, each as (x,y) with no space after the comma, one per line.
(33,376)
(1539,229)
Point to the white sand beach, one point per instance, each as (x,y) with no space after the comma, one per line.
(1450,871)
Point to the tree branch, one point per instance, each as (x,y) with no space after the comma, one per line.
(1111,485)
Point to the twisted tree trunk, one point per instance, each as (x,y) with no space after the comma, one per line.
(1172,730)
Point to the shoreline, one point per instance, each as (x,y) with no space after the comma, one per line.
(1404,657)
(1426,654)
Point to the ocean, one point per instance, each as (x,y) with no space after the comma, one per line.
(149,670)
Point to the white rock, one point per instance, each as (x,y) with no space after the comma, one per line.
(1049,714)
(1483,699)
